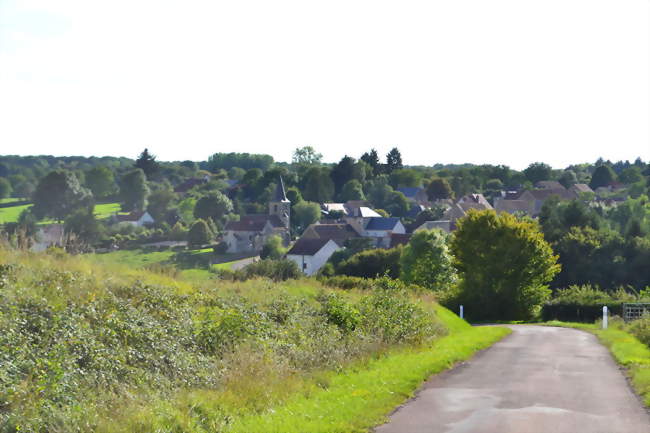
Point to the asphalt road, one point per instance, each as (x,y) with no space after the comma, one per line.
(537,380)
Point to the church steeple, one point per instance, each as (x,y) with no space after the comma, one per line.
(280,204)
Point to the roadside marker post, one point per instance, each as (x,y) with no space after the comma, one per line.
(605,317)
(461,312)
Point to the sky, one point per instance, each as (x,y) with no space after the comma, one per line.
(446,81)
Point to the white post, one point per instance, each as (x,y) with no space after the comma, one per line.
(461,312)
(605,317)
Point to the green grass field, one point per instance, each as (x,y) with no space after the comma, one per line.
(11,214)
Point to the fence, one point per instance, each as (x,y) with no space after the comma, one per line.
(635,311)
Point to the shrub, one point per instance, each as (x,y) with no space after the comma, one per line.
(372,263)
(339,312)
(504,264)
(273,248)
(641,330)
(276,270)
(584,304)
(426,261)
(346,282)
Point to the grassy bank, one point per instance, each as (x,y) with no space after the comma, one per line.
(10,214)
(111,348)
(626,350)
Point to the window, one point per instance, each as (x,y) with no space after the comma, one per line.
(275,208)
(304,266)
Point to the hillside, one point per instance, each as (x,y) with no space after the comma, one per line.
(90,347)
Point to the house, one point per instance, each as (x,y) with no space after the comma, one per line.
(537,197)
(415,194)
(249,234)
(513,206)
(381,229)
(339,232)
(549,184)
(475,199)
(581,188)
(311,254)
(136,218)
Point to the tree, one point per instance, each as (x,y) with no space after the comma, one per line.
(199,234)
(568,178)
(317,185)
(439,189)
(432,214)
(504,264)
(372,264)
(352,190)
(342,172)
(393,160)
(101,181)
(160,202)
(405,178)
(294,196)
(273,248)
(398,205)
(426,261)
(306,155)
(84,225)
(5,188)
(372,159)
(147,163)
(134,190)
(602,176)
(305,213)
(538,171)
(59,194)
(214,206)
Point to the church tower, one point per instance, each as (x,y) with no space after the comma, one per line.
(280,205)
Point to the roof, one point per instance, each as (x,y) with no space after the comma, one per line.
(410,192)
(543,194)
(549,184)
(253,223)
(475,198)
(581,187)
(307,247)
(399,239)
(366,212)
(340,207)
(280,194)
(334,231)
(381,223)
(512,206)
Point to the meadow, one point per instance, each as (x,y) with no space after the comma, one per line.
(10,214)
(108,347)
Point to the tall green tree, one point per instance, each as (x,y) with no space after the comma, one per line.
(372,159)
(305,213)
(427,262)
(306,155)
(147,163)
(352,190)
(160,203)
(538,171)
(342,172)
(101,181)
(317,185)
(5,188)
(59,194)
(214,205)
(393,160)
(199,234)
(134,190)
(505,266)
(273,248)
(439,189)
(602,176)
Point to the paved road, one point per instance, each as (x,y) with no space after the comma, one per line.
(537,380)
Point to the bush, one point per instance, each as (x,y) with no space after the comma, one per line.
(346,282)
(339,312)
(372,263)
(641,330)
(276,270)
(426,261)
(584,304)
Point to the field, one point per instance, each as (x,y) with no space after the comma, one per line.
(111,348)
(11,214)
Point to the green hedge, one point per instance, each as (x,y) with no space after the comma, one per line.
(577,312)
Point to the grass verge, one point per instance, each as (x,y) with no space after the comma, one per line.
(361,397)
(626,350)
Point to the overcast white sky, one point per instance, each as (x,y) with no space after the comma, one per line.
(485,81)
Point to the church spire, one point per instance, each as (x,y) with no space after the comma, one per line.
(280,194)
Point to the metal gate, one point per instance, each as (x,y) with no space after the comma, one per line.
(635,311)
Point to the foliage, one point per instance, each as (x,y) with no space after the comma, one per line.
(134,190)
(246,161)
(641,330)
(352,190)
(439,189)
(398,205)
(372,159)
(85,226)
(537,172)
(147,163)
(393,160)
(372,263)
(5,188)
(426,261)
(504,264)
(101,181)
(584,304)
(317,185)
(58,194)
(306,155)
(199,233)
(214,205)
(160,203)
(602,176)
(305,213)
(273,248)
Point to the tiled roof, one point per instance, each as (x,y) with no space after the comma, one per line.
(381,223)
(334,231)
(512,206)
(307,247)
(132,217)
(549,184)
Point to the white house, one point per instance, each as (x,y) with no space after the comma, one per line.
(135,218)
(382,228)
(311,254)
